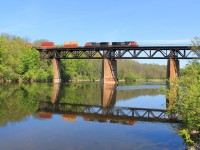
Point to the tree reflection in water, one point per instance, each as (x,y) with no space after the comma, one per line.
(20,101)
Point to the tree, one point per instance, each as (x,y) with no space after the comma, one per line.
(196,46)
(19,61)
(130,77)
(37,43)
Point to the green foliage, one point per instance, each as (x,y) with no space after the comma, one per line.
(186,134)
(143,71)
(187,99)
(32,68)
(126,69)
(20,62)
(19,101)
(10,50)
(130,77)
(81,69)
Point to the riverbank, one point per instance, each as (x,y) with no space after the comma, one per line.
(80,80)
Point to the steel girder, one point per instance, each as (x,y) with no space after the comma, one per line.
(147,52)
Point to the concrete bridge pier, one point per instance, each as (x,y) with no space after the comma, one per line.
(173,69)
(109,71)
(56,71)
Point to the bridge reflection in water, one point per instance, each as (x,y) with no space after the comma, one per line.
(107,112)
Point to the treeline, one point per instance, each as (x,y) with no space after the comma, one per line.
(133,69)
(126,70)
(22,63)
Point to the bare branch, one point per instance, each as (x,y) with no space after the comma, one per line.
(196,46)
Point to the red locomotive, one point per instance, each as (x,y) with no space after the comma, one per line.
(131,43)
(92,44)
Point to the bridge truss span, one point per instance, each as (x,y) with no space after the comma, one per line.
(145,52)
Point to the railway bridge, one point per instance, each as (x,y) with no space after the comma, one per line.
(111,54)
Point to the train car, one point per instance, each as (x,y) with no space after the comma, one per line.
(104,44)
(118,44)
(47,45)
(71,44)
(92,44)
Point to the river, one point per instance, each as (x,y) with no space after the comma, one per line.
(86,116)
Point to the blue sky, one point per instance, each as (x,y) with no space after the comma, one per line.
(145,21)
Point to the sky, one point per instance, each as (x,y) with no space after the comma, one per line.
(149,22)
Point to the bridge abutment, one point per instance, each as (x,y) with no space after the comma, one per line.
(109,72)
(56,70)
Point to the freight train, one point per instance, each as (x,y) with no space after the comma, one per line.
(74,44)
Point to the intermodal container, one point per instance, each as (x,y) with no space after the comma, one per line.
(47,44)
(71,44)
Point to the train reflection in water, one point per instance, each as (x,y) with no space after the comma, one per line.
(107,112)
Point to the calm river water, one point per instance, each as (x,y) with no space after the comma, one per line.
(85,116)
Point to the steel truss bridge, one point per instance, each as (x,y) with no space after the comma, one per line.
(122,52)
(119,114)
